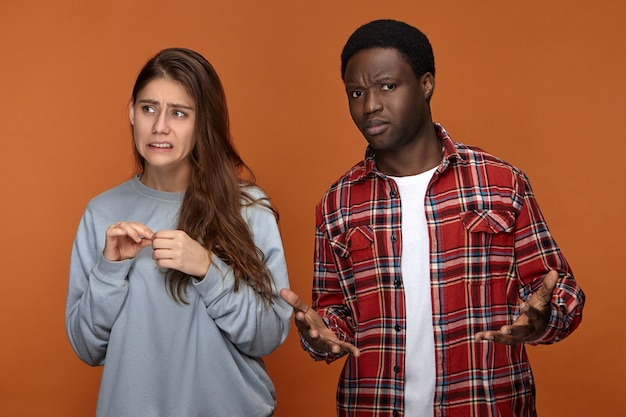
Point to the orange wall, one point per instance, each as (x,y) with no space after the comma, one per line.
(537,83)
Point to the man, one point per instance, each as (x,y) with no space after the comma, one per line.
(423,252)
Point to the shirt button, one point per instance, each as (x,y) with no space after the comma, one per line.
(393,193)
(396,369)
(396,283)
(394,238)
(398,327)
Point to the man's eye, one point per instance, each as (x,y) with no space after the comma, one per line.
(356,94)
(388,87)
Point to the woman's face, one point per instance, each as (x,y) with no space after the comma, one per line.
(163,118)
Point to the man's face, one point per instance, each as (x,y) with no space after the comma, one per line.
(387,102)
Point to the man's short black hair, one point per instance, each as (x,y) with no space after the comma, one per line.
(386,33)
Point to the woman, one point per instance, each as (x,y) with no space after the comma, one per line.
(175,274)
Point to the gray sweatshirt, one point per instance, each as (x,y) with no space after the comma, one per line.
(162,358)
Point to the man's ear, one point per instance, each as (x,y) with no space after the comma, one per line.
(131,113)
(428,84)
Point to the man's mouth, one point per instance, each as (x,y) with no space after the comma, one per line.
(375,127)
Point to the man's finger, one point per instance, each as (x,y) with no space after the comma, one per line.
(294,300)
(499,337)
(547,285)
(532,313)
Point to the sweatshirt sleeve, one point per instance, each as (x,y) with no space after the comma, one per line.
(253,327)
(97,290)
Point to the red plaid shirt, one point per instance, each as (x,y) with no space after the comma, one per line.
(489,247)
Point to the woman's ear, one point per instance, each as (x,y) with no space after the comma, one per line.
(131,113)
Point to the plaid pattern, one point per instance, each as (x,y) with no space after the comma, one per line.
(489,247)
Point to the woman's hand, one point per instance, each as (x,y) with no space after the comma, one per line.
(124,240)
(174,249)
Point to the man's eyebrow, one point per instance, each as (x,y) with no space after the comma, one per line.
(381,78)
(384,79)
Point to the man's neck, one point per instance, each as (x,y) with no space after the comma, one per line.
(420,157)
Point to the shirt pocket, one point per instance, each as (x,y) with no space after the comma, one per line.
(479,244)
(356,245)
(471,233)
(488,221)
(489,255)
(356,257)
(489,236)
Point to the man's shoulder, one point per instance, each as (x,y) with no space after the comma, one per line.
(472,152)
(475,155)
(348,178)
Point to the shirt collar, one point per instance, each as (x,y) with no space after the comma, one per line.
(449,152)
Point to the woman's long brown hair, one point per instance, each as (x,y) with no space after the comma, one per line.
(214,198)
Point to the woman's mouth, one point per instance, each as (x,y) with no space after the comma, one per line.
(161,145)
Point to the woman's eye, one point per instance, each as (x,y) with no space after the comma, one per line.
(179,113)
(388,87)
(148,109)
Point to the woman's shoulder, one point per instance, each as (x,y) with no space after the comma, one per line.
(254,196)
(256,202)
(253,191)
(115,192)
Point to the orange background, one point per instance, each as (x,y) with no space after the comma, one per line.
(540,84)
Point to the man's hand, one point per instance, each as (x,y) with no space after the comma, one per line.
(313,328)
(533,319)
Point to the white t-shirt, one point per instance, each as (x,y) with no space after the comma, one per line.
(419,387)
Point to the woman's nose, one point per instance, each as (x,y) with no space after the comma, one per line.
(160,124)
